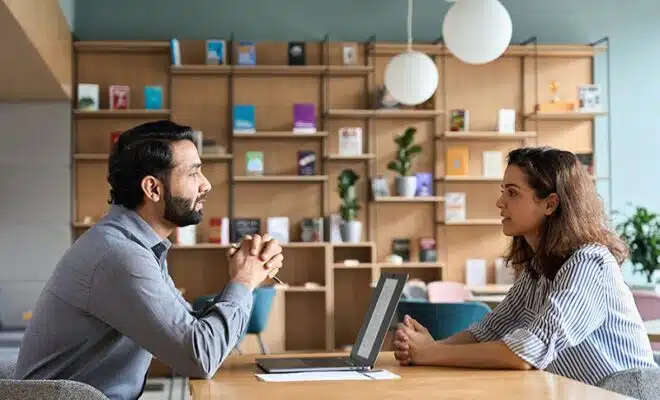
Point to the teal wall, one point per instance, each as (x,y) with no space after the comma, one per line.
(633,31)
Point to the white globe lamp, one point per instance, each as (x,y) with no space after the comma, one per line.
(411,77)
(477,31)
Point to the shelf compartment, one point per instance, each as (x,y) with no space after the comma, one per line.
(122,46)
(416,199)
(486,135)
(564,116)
(282,178)
(466,179)
(280,135)
(134,113)
(410,264)
(200,69)
(360,157)
(473,222)
(384,114)
(292,70)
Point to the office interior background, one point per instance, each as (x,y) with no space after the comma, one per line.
(36,151)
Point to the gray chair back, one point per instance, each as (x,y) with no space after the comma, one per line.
(638,383)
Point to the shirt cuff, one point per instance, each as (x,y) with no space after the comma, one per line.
(238,293)
(530,348)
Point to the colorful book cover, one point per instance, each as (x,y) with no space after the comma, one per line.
(424,184)
(244,118)
(153,97)
(297,53)
(306,162)
(459,120)
(401,248)
(457,160)
(304,118)
(215,52)
(120,96)
(88,96)
(427,250)
(350,141)
(244,226)
(247,53)
(254,163)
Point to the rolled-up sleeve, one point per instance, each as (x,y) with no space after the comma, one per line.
(502,319)
(573,310)
(132,296)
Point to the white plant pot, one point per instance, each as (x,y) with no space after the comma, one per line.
(351,231)
(406,186)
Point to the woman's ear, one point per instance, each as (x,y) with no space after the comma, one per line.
(552,202)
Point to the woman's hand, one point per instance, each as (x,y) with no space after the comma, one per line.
(409,340)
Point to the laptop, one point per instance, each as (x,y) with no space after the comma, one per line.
(384,301)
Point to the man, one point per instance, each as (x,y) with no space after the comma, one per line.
(111,304)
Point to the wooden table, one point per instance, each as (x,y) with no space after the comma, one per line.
(653,330)
(236,380)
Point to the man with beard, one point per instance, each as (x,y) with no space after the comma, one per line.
(111,304)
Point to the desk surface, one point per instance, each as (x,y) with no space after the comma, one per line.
(236,379)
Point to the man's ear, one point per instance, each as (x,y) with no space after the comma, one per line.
(552,203)
(152,188)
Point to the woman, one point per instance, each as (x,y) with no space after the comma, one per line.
(569,311)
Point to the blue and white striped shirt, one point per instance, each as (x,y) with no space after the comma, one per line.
(583,325)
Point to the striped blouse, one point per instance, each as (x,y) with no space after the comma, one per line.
(583,325)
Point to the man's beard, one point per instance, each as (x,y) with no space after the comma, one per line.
(181,211)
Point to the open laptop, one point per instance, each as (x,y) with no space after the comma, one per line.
(384,301)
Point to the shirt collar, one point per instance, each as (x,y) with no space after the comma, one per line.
(140,229)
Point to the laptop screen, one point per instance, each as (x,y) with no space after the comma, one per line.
(379,316)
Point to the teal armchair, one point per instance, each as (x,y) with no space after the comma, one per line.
(443,319)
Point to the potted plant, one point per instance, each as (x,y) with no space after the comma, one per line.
(641,232)
(351,228)
(406,183)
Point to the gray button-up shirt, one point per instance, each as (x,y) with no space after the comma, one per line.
(111,304)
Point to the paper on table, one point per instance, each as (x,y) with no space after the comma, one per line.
(327,376)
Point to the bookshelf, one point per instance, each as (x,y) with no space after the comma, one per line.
(328,316)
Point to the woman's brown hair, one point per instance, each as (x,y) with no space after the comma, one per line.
(578,220)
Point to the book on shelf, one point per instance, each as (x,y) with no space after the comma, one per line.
(459,120)
(475,272)
(219,230)
(491,164)
(331,228)
(120,97)
(254,163)
(424,184)
(88,96)
(312,230)
(278,228)
(455,208)
(244,119)
(297,53)
(244,226)
(216,53)
(349,54)
(350,141)
(457,161)
(304,118)
(506,121)
(153,97)
(247,53)
(427,250)
(175,51)
(589,98)
(401,248)
(306,162)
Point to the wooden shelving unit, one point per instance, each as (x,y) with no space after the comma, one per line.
(328,317)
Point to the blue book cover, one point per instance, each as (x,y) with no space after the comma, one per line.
(215,52)
(247,53)
(244,118)
(153,97)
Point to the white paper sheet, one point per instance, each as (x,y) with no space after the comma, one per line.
(327,376)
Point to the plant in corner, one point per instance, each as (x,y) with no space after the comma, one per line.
(641,232)
(406,184)
(351,228)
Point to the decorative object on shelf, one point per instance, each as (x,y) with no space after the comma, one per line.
(219,230)
(477,31)
(88,96)
(120,97)
(459,120)
(351,228)
(589,98)
(296,53)
(401,248)
(427,250)
(411,77)
(641,232)
(457,160)
(455,209)
(332,228)
(216,53)
(247,53)
(349,54)
(491,164)
(394,259)
(243,226)
(350,141)
(406,183)
(379,187)
(278,228)
(424,184)
(506,121)
(311,230)
(383,99)
(254,163)
(555,104)
(306,162)
(475,272)
(244,118)
(153,97)
(304,118)
(175,51)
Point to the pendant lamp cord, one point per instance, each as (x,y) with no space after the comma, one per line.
(410,11)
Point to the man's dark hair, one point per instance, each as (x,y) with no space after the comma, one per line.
(141,151)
